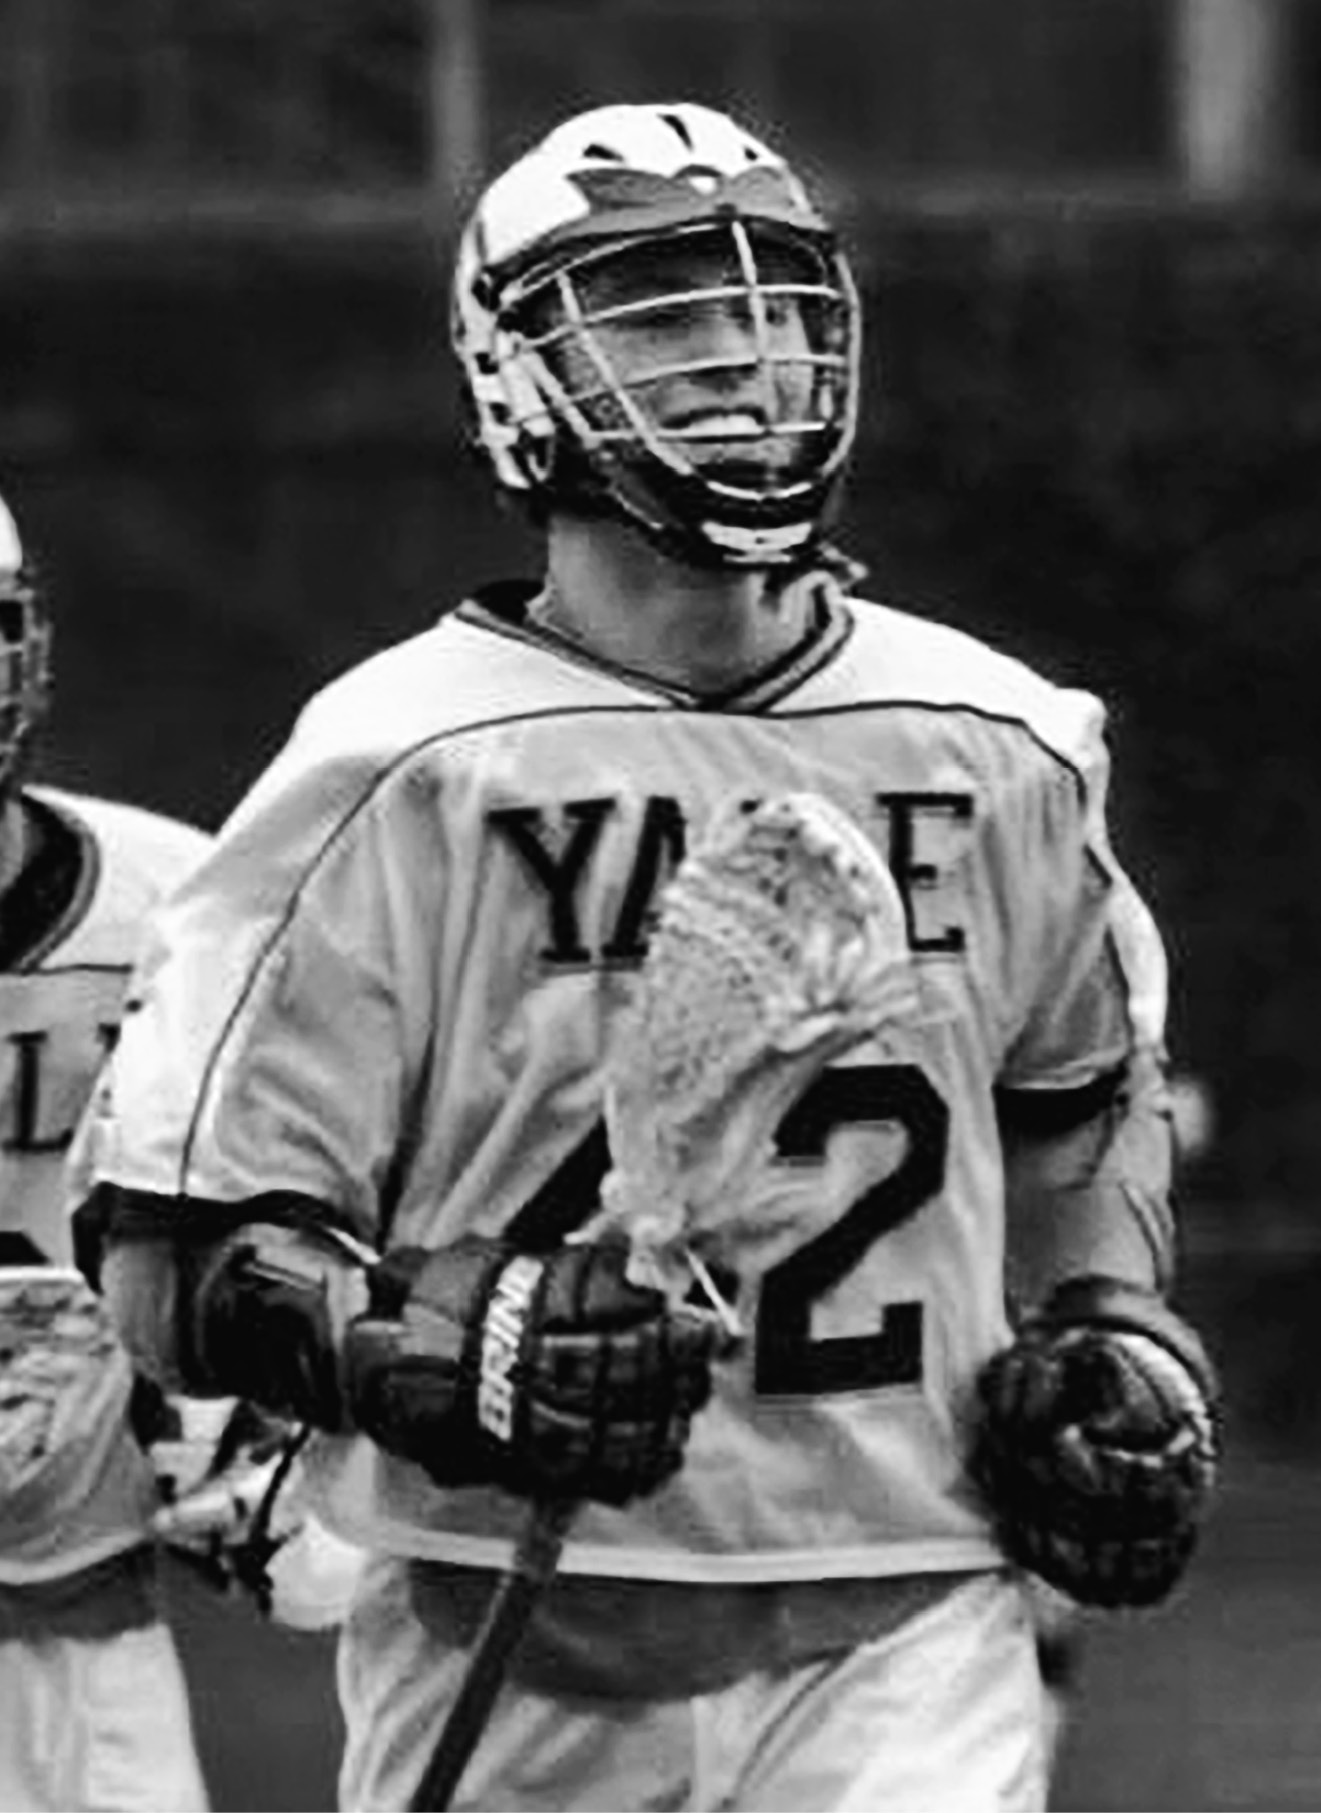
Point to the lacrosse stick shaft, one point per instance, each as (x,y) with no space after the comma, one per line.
(513,1601)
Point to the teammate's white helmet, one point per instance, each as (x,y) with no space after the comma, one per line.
(645,218)
(24,651)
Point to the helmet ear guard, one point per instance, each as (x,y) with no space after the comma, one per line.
(562,422)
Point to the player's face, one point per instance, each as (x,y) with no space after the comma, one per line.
(717,357)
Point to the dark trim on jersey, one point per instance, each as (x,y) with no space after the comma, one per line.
(52,893)
(114,1212)
(980,712)
(47,970)
(502,610)
(1046,1113)
(767,690)
(390,767)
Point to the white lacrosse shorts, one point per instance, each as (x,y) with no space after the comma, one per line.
(943,1715)
(100,1725)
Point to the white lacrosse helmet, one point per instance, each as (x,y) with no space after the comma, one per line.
(662,219)
(24,651)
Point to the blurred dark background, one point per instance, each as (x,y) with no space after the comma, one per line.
(1089,234)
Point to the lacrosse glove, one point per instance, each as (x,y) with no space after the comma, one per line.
(550,1376)
(1097,1443)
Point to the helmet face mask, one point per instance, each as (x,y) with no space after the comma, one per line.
(680,349)
(24,655)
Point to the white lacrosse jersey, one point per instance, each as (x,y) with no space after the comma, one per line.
(71,927)
(394,983)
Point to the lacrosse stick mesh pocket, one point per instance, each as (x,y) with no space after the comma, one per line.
(780,943)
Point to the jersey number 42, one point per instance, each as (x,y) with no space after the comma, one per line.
(789,1360)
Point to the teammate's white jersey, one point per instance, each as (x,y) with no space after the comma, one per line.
(392,987)
(71,928)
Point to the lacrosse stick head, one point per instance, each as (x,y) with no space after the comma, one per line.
(64,1390)
(781,943)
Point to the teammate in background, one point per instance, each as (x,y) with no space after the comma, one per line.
(95,1713)
(378,1017)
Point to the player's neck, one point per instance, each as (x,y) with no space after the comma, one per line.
(707,630)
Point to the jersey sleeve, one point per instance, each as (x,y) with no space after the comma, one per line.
(1097,973)
(284,1001)
(1082,1094)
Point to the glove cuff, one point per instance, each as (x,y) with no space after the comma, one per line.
(1095,1300)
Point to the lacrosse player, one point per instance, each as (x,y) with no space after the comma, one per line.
(95,1714)
(347,1142)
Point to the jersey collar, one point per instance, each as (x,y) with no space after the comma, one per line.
(502,609)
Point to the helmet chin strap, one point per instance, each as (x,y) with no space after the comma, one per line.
(575,485)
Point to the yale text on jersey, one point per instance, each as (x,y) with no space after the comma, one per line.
(921,834)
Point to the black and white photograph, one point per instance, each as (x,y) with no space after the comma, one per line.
(660,832)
